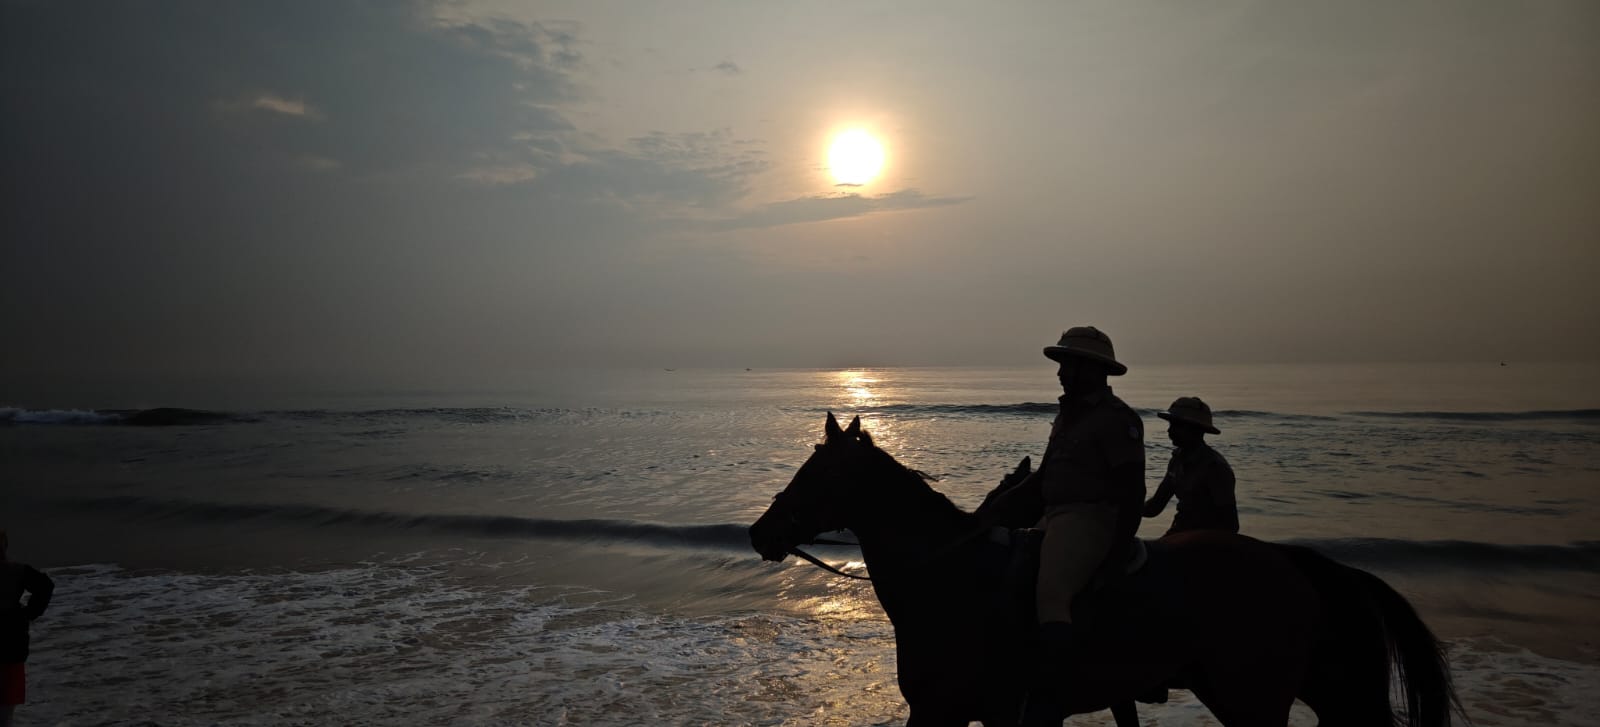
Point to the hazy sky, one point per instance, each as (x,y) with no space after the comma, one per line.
(217,187)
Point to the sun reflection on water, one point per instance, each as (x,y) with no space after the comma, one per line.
(863,391)
(841,605)
(826,597)
(858,385)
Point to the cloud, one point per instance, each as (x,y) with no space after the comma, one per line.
(511,174)
(305,183)
(728,67)
(820,209)
(394,90)
(214,201)
(287,107)
(270,104)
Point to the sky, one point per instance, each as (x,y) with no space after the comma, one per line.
(229,188)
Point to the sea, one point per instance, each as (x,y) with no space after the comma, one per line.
(570,547)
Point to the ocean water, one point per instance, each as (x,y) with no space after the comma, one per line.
(570,547)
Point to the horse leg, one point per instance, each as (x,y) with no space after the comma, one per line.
(930,716)
(1340,710)
(1347,694)
(1246,708)
(1126,714)
(1244,697)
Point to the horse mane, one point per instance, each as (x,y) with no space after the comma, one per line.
(919,482)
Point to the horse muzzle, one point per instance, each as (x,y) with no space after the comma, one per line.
(768,548)
(770,539)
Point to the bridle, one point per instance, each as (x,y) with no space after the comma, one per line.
(794,521)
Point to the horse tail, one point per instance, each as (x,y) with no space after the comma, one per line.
(1376,630)
(1423,670)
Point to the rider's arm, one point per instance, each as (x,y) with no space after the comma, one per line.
(1158,501)
(39,588)
(1124,453)
(1129,482)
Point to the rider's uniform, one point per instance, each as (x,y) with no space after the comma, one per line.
(1088,515)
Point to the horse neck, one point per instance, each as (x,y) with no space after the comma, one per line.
(908,533)
(905,520)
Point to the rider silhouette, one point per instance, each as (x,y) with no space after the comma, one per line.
(15,580)
(1091,483)
(1198,475)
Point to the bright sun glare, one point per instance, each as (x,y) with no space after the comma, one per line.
(854,158)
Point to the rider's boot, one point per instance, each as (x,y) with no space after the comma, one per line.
(1044,706)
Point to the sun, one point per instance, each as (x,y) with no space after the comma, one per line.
(854,158)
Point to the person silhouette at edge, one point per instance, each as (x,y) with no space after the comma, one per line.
(1091,485)
(1198,475)
(16,579)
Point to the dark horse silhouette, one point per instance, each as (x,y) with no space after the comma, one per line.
(1247,626)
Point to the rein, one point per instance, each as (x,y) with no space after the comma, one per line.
(938,552)
(814,560)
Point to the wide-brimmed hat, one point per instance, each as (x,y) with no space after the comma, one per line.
(1087,342)
(1191,410)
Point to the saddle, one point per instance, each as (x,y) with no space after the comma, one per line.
(1020,549)
(1021,575)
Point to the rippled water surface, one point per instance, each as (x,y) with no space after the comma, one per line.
(570,548)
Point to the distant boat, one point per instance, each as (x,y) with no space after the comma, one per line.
(669,369)
(1502,363)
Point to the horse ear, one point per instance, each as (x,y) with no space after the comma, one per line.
(866,439)
(831,429)
(855,428)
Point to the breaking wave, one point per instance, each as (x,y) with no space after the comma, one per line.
(502,526)
(1377,552)
(158,417)
(1581,415)
(177,416)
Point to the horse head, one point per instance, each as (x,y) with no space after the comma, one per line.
(819,497)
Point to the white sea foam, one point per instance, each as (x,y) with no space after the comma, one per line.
(403,643)
(15,415)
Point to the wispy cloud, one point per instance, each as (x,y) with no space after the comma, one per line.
(822,208)
(728,67)
(285,106)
